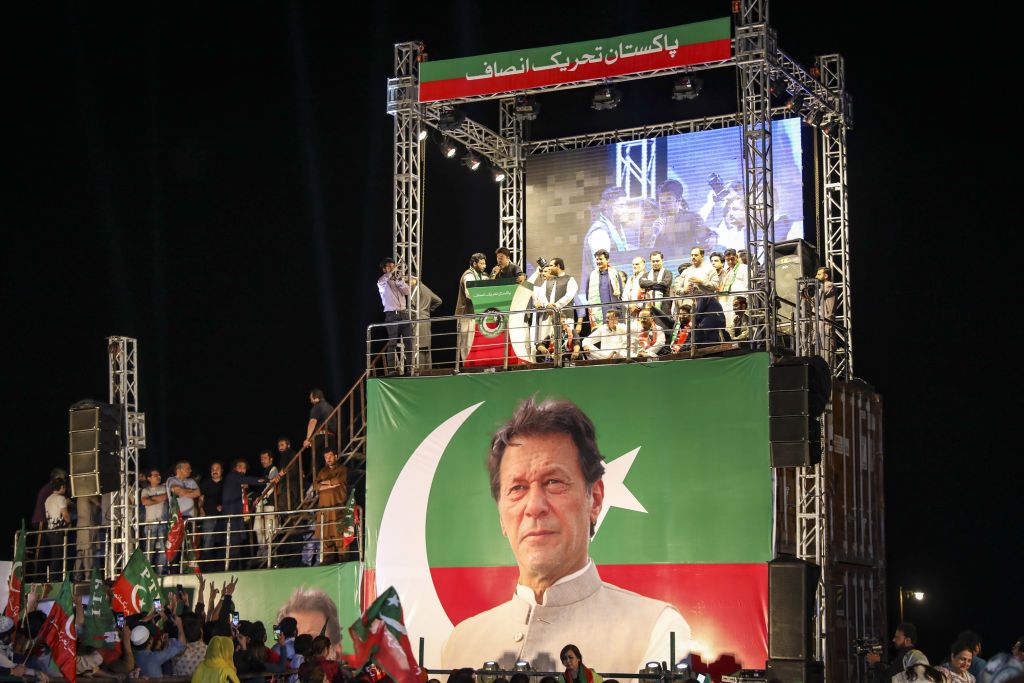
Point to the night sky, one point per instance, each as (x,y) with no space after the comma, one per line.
(215,180)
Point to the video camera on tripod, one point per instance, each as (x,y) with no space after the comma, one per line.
(867,646)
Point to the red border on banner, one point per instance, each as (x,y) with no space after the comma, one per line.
(726,605)
(461,87)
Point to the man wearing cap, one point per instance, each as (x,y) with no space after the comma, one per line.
(8,667)
(152,648)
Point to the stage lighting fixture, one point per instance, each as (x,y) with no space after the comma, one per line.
(497,174)
(687,88)
(450,119)
(422,135)
(489,678)
(795,103)
(526,107)
(606,97)
(449,149)
(777,88)
(471,161)
(652,668)
(522,665)
(831,127)
(814,117)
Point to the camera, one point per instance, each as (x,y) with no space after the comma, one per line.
(867,646)
(157,605)
(119,617)
(542,263)
(234,619)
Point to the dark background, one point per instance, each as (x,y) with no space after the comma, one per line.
(215,180)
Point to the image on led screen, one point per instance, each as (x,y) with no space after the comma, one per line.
(666,194)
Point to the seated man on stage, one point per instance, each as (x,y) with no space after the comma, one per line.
(608,340)
(649,339)
(568,344)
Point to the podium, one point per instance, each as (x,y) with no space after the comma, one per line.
(500,334)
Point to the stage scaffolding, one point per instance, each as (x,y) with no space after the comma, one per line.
(759,63)
(123,367)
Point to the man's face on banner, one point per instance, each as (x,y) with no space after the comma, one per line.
(544,506)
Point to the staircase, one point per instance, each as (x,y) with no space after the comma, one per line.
(348,422)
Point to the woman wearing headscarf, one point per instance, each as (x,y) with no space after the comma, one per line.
(219,665)
(575,671)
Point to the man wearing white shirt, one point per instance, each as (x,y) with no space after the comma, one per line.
(464,305)
(608,340)
(558,291)
(546,477)
(632,290)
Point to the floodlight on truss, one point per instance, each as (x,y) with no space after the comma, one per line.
(795,103)
(831,127)
(606,97)
(526,107)
(777,87)
(687,88)
(450,119)
(498,174)
(813,117)
(449,149)
(471,161)
(422,135)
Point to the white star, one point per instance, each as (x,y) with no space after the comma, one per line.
(393,601)
(615,492)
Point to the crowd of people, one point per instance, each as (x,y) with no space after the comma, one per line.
(205,640)
(962,663)
(704,302)
(229,512)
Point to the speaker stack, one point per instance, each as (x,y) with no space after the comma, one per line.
(798,391)
(94,448)
(791,587)
(794,259)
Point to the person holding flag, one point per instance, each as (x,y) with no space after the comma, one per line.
(381,642)
(59,631)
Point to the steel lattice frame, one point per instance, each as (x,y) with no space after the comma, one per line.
(512,192)
(836,247)
(755,48)
(123,371)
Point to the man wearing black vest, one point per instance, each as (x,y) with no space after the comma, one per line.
(464,305)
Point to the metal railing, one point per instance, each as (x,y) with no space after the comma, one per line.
(264,538)
(679,326)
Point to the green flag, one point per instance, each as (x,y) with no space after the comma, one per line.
(13,607)
(137,586)
(58,631)
(99,617)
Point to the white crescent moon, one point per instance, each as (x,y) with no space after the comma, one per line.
(136,604)
(402,541)
(69,623)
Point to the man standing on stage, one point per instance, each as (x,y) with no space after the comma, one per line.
(557,294)
(464,305)
(604,286)
(425,302)
(394,292)
(505,269)
(318,432)
(332,484)
(633,292)
(658,280)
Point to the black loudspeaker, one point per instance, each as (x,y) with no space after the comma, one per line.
(795,671)
(794,259)
(798,391)
(94,445)
(791,587)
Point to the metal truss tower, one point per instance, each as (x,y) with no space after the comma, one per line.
(755,51)
(123,367)
(408,158)
(836,222)
(512,191)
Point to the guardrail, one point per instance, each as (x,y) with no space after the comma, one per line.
(264,538)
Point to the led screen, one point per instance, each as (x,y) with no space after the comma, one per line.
(667,194)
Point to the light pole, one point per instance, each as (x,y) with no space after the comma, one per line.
(916,595)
